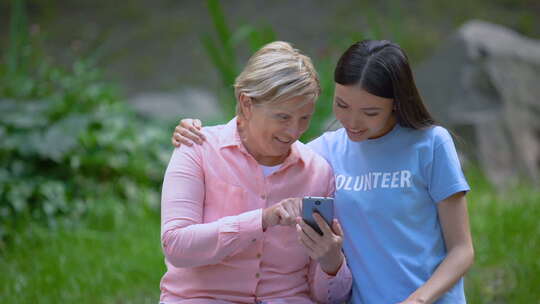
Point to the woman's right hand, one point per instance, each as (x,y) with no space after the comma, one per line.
(187,132)
(283,213)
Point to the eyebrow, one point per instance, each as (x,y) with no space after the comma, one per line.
(364,109)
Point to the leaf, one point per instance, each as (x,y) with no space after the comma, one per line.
(54,195)
(62,137)
(23,114)
(258,38)
(18,195)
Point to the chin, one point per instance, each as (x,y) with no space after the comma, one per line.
(280,151)
(357,138)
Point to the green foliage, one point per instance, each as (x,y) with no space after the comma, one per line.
(322,117)
(223,52)
(506,236)
(114,256)
(67,142)
(18,35)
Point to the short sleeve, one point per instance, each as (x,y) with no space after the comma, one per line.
(446,176)
(320,146)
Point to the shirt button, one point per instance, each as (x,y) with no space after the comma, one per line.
(258,255)
(263,196)
(254,240)
(257,275)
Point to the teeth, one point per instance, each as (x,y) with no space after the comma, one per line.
(286,141)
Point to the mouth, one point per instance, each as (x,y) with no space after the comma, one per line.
(283,140)
(356,132)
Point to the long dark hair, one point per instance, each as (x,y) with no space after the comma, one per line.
(381,68)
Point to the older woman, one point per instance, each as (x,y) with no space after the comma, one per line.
(228,230)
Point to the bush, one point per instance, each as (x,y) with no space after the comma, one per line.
(67,141)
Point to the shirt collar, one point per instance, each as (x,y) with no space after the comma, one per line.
(230,134)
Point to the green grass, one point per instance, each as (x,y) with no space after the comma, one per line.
(113,255)
(506,235)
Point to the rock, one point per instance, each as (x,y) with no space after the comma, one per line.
(173,106)
(484,84)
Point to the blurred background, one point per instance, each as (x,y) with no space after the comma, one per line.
(90,92)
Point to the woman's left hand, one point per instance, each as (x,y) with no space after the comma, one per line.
(325,248)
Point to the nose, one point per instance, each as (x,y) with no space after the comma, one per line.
(356,123)
(294,130)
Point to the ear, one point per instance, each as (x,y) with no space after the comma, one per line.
(246,105)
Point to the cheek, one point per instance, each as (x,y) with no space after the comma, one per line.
(379,122)
(304,125)
(269,129)
(340,114)
(260,130)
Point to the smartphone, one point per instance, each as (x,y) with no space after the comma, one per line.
(322,205)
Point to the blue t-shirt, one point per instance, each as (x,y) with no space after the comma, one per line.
(387,190)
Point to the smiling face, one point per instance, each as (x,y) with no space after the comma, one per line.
(269,129)
(363,115)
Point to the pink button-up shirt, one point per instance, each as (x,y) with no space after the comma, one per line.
(211,211)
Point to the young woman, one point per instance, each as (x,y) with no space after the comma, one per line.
(400,190)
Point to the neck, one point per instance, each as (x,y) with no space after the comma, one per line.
(253,150)
(392,121)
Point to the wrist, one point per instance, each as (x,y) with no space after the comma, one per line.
(332,266)
(417,298)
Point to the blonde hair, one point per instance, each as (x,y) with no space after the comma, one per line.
(277,72)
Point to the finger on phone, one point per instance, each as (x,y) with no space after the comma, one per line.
(310,232)
(293,213)
(283,215)
(336,226)
(322,223)
(298,205)
(304,239)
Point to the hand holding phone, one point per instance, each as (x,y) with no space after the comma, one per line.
(325,248)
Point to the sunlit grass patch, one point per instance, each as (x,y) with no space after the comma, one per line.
(506,235)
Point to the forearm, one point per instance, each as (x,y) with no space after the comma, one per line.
(209,243)
(453,267)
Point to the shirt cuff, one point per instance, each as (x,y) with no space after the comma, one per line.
(339,285)
(250,226)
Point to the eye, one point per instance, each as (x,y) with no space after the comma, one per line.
(339,104)
(305,117)
(372,114)
(282,116)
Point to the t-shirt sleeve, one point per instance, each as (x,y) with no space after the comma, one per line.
(319,146)
(446,176)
